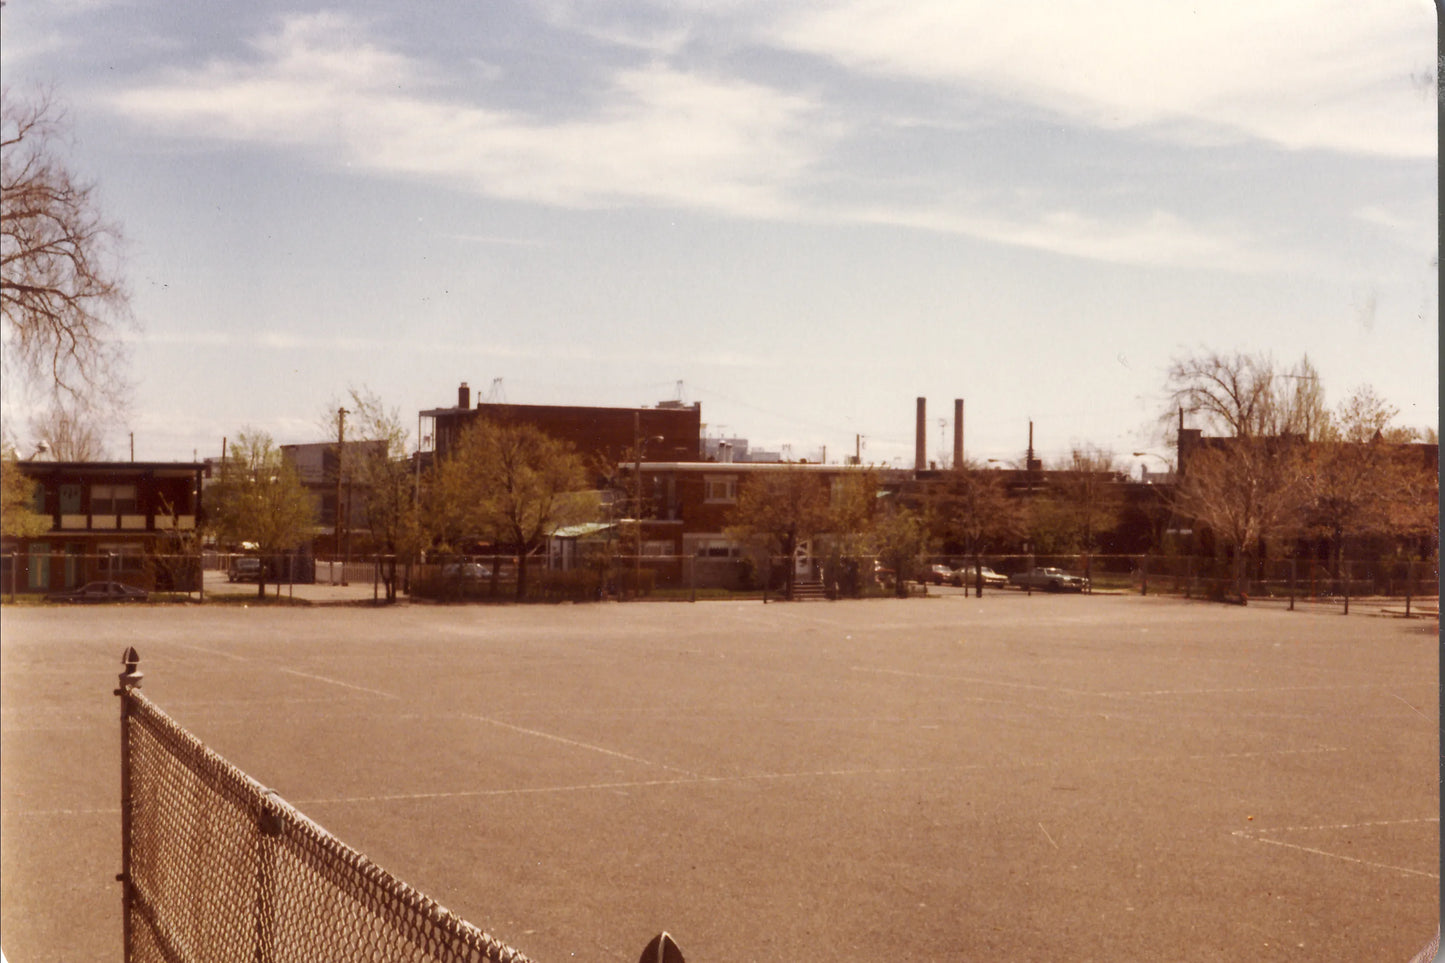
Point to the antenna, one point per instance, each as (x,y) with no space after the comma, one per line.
(496,395)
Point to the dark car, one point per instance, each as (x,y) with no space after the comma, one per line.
(100,592)
(244,569)
(942,575)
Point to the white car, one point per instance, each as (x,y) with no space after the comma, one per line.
(968,576)
(1050,580)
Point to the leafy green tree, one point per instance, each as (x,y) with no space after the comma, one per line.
(510,482)
(259,498)
(853,506)
(973,511)
(18,519)
(781,510)
(899,539)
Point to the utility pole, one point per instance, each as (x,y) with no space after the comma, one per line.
(340,450)
(637,504)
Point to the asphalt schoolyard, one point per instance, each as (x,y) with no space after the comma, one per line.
(1011,778)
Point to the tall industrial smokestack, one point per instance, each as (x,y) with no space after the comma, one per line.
(958,434)
(920,444)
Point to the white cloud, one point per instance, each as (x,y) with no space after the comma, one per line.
(662,136)
(1333,74)
(659,135)
(1158,239)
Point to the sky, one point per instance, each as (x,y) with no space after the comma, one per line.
(803,215)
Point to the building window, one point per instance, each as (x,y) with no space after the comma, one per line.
(720,488)
(716,548)
(112,500)
(38,566)
(70,499)
(121,557)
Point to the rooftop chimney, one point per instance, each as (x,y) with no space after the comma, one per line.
(958,434)
(920,444)
(1030,462)
(464,396)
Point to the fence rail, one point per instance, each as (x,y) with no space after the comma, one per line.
(216,867)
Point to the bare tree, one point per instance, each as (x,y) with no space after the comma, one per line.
(379,465)
(1244,396)
(1083,501)
(72,432)
(1249,484)
(61,291)
(1245,490)
(1360,479)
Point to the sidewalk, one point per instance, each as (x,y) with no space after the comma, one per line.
(320,593)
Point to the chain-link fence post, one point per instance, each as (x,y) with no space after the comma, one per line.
(1409,584)
(130,678)
(1345,575)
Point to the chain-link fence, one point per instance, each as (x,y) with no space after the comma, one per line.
(217,868)
(1218,578)
(690,577)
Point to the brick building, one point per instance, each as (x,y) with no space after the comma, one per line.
(670,431)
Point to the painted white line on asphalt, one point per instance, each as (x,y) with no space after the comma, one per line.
(1348,859)
(573,742)
(940,677)
(1261,835)
(1305,829)
(346,685)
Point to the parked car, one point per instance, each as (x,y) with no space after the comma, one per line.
(942,575)
(466,571)
(244,568)
(969,576)
(1049,579)
(100,592)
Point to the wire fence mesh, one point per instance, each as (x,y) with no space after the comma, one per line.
(216,868)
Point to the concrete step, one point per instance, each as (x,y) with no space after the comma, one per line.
(809,590)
